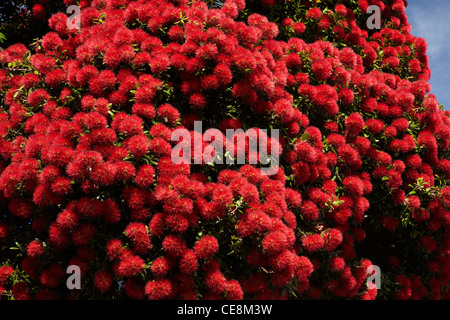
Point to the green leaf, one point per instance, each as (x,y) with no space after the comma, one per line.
(2,38)
(305,136)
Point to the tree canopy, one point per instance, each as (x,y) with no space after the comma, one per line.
(87,176)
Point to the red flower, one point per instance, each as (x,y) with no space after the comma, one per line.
(160,266)
(341,9)
(314,13)
(144,176)
(145,94)
(299,27)
(304,268)
(130,266)
(138,145)
(156,224)
(370,294)
(5,273)
(354,124)
(428,243)
(420,215)
(127,125)
(83,234)
(136,231)
(160,147)
(336,264)
(374,125)
(249,193)
(350,156)
(29,80)
(61,186)
(20,291)
(123,36)
(206,247)
(35,249)
(174,245)
(222,195)
(207,51)
(312,242)
(103,280)
(197,101)
(257,221)
(111,211)
(354,185)
(389,223)
(159,63)
(322,70)
(215,280)
(336,140)
(310,210)
(88,207)
(274,242)
(223,74)
(188,262)
(21,208)
(52,276)
(144,110)
(177,222)
(4,231)
(37,97)
(348,57)
(159,289)
(55,78)
(43,63)
(301,172)
(332,238)
(413,202)
(57,236)
(318,196)
(329,186)
(287,22)
(168,113)
(234,290)
(305,152)
(176,33)
(293,198)
(160,130)
(38,11)
(134,289)
(401,124)
(113,248)
(124,170)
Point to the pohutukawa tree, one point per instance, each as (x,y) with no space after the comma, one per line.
(87,176)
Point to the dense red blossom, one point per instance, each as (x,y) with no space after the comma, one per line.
(87,178)
(332,239)
(312,242)
(158,289)
(206,246)
(130,266)
(103,280)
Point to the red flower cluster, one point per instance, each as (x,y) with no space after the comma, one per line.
(86,170)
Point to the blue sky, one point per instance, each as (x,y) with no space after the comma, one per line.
(430,20)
